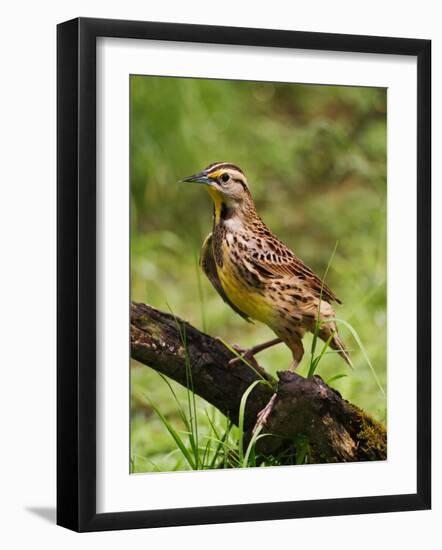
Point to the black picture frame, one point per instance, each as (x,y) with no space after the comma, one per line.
(76,273)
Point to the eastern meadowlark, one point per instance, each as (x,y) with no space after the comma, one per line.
(258,275)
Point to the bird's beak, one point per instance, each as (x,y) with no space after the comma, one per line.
(199,178)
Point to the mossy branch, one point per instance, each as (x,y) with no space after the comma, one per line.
(306,408)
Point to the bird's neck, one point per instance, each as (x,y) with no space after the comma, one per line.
(238,214)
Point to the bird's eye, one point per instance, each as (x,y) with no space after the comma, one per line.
(225,177)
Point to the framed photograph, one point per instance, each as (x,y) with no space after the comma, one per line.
(243,274)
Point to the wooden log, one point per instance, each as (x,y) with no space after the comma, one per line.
(308,416)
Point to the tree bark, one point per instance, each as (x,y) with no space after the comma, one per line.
(308,416)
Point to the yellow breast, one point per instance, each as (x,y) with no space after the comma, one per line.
(241,293)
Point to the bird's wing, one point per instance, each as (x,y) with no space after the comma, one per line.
(275,260)
(208,265)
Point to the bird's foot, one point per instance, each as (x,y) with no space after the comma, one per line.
(248,355)
(245,356)
(263,415)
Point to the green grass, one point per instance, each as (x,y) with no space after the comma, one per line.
(215,444)
(315,157)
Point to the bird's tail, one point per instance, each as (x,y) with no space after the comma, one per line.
(336,342)
(338,345)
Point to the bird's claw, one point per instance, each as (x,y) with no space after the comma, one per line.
(263,415)
(244,356)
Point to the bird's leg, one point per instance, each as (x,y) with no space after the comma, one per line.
(297,349)
(263,415)
(248,354)
(298,352)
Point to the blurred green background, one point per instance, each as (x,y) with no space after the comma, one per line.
(315,158)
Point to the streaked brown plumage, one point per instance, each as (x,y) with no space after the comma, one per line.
(257,274)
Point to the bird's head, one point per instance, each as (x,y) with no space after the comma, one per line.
(226,184)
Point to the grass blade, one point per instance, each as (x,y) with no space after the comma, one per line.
(222,444)
(364,353)
(335,377)
(313,364)
(177,401)
(242,408)
(191,400)
(175,435)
